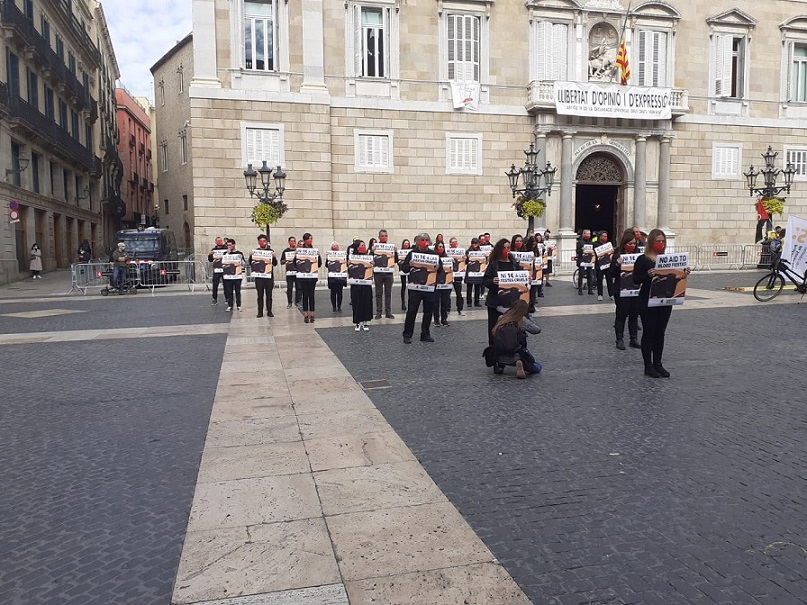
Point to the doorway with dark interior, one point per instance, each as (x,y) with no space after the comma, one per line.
(596,209)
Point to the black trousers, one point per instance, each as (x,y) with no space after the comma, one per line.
(493,317)
(232,288)
(609,281)
(291,280)
(534,289)
(654,325)
(403,292)
(306,287)
(627,308)
(477,290)
(589,273)
(442,306)
(263,286)
(216,281)
(458,292)
(383,285)
(336,294)
(415,298)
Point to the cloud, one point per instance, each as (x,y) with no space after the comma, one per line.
(142,32)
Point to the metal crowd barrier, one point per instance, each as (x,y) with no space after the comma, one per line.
(757,256)
(180,274)
(720,256)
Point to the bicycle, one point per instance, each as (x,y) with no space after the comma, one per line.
(770,285)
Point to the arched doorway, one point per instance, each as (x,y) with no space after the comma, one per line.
(598,195)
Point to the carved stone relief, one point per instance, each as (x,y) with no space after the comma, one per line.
(599,168)
(603,44)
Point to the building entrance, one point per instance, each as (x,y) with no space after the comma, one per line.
(598,196)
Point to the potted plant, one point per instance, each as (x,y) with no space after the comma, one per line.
(268,213)
(773,205)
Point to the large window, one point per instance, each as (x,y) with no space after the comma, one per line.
(373,43)
(259,35)
(651,61)
(49,107)
(13,73)
(552,44)
(464,42)
(373,151)
(798,77)
(729,60)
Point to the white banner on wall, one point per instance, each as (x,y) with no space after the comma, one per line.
(613,101)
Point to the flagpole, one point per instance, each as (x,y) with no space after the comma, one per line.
(622,52)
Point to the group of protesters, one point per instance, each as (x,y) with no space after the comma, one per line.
(430,270)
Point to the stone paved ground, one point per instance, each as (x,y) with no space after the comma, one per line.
(101,442)
(593,484)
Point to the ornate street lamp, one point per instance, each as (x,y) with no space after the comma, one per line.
(769,175)
(530,183)
(271,206)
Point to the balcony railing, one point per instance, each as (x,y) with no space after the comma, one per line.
(84,41)
(13,18)
(46,131)
(541,98)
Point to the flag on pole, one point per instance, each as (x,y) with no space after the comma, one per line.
(622,63)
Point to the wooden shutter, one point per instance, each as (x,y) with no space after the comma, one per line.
(544,47)
(722,64)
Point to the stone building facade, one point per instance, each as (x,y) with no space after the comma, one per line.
(405,114)
(50,138)
(173,137)
(134,148)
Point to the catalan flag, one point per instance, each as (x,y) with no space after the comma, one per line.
(622,63)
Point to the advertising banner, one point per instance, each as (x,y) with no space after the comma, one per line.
(512,286)
(261,265)
(336,262)
(669,285)
(612,101)
(423,272)
(360,270)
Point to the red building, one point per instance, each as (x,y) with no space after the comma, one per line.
(137,188)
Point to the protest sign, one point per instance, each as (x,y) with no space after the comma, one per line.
(604,254)
(289,257)
(512,286)
(669,283)
(261,265)
(232,264)
(306,263)
(627,289)
(423,271)
(217,256)
(360,270)
(477,263)
(445,279)
(460,263)
(336,262)
(383,258)
(587,256)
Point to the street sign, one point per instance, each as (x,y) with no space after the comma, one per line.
(13,212)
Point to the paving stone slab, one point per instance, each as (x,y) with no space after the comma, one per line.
(333,594)
(228,463)
(347,451)
(254,431)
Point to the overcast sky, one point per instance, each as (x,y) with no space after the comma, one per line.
(143,31)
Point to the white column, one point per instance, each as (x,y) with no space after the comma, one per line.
(663,220)
(313,51)
(540,146)
(205,71)
(640,183)
(566,178)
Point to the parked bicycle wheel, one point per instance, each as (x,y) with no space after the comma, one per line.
(574,276)
(768,287)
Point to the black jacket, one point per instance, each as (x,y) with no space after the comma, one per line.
(641,278)
(579,250)
(210,256)
(494,266)
(274,262)
(405,267)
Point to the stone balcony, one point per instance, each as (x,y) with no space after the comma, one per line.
(541,97)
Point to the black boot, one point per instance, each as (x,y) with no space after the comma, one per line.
(651,371)
(620,344)
(634,343)
(660,370)
(580,291)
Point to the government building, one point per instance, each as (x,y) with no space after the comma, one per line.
(406,114)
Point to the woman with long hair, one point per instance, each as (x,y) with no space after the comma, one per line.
(519,323)
(500,260)
(654,319)
(627,307)
(406,248)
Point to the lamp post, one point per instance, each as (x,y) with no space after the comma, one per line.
(769,174)
(263,192)
(21,162)
(533,181)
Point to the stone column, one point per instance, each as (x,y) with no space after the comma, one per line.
(313,51)
(205,72)
(663,220)
(540,146)
(566,179)
(640,183)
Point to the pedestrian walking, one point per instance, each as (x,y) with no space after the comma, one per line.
(233,265)
(307,276)
(654,319)
(419,293)
(383,274)
(361,295)
(406,247)
(627,307)
(262,263)
(218,250)
(35,263)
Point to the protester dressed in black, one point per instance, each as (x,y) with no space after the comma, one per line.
(406,248)
(287,262)
(218,272)
(336,285)
(307,285)
(627,307)
(442,297)
(654,319)
(500,260)
(452,243)
(232,283)
(473,285)
(599,273)
(584,243)
(264,277)
(418,296)
(361,295)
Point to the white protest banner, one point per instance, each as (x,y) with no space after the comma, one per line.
(261,263)
(552,246)
(445,280)
(423,271)
(477,263)
(512,286)
(233,266)
(360,270)
(587,257)
(306,263)
(794,250)
(465,95)
(460,261)
(384,258)
(525,260)
(336,262)
(669,285)
(289,258)
(627,289)
(217,256)
(606,100)
(604,254)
